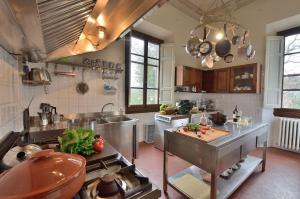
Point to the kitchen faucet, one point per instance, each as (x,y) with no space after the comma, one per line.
(106,105)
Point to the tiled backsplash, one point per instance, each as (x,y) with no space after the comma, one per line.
(249,104)
(63,95)
(11,95)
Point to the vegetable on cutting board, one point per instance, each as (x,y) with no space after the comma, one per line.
(192,127)
(99,145)
(79,140)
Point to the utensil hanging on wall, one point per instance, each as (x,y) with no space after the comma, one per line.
(82,87)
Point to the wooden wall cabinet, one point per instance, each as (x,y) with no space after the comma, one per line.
(236,79)
(221,80)
(245,78)
(208,81)
(188,76)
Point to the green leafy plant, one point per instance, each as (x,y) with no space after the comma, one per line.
(80,140)
(192,127)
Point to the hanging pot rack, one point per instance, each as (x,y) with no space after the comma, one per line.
(209,23)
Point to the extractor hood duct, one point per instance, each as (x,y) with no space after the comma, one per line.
(51,29)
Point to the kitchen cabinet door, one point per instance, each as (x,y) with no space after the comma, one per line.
(196,79)
(183,76)
(245,78)
(208,81)
(221,80)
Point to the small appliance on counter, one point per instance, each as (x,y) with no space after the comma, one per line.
(48,115)
(206,105)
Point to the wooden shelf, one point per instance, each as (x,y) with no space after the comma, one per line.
(189,92)
(225,187)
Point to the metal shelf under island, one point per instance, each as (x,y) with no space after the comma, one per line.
(215,157)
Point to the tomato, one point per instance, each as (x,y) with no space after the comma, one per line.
(185,129)
(205,128)
(203,131)
(99,145)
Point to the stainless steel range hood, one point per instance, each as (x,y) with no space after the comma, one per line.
(51,29)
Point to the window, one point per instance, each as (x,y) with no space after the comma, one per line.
(291,69)
(142,54)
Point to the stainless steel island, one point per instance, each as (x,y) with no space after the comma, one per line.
(216,156)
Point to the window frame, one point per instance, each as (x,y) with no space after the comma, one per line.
(287,112)
(144,107)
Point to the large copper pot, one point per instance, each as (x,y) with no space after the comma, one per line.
(47,174)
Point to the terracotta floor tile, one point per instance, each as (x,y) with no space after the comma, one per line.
(281,180)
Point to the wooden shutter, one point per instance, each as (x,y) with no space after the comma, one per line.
(167,74)
(273,72)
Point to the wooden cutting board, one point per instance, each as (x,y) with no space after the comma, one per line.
(210,135)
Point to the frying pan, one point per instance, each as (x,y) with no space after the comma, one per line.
(205,46)
(223,46)
(245,50)
(82,87)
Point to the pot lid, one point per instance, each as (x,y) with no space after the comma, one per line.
(18,154)
(46,170)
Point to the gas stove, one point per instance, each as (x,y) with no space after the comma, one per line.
(129,180)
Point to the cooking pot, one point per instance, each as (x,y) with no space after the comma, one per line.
(228,58)
(193,46)
(39,74)
(47,174)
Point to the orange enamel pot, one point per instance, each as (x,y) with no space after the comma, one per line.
(46,175)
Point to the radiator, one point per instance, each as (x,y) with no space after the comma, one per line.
(289,134)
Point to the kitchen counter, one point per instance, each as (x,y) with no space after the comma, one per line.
(50,127)
(115,127)
(217,156)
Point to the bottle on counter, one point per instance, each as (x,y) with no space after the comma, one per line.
(235,114)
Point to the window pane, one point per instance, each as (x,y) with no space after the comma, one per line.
(152,80)
(292,82)
(153,62)
(152,96)
(292,64)
(292,43)
(136,75)
(153,50)
(136,96)
(137,46)
(137,58)
(291,99)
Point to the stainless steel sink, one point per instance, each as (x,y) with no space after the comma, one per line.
(116,118)
(115,127)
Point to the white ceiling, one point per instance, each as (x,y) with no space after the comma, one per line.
(196,8)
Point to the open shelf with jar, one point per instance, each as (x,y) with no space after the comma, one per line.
(245,78)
